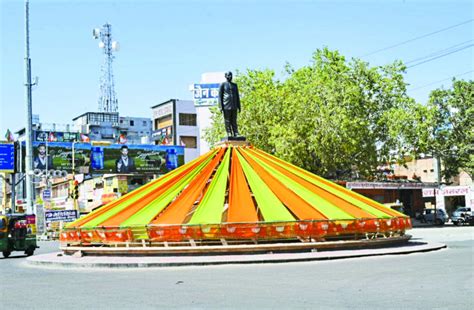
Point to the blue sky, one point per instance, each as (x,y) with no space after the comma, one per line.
(167,45)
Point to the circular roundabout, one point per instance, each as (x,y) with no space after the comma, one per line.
(235,200)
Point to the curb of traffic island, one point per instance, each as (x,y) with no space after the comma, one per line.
(59,260)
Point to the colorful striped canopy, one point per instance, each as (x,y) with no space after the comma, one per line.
(234,184)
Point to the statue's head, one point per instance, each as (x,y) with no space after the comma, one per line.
(228,76)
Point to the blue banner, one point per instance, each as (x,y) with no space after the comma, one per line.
(60,215)
(7,157)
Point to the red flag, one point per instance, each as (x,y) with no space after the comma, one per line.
(9,136)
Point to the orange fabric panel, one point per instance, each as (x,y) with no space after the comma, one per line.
(126,213)
(241,206)
(362,198)
(341,203)
(177,211)
(300,208)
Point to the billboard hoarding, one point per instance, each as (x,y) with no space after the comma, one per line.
(140,159)
(58,156)
(143,159)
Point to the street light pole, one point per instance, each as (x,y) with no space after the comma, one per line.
(28,131)
(76,205)
(438,186)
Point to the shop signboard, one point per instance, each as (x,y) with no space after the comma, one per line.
(60,215)
(7,157)
(384,185)
(447,191)
(206,94)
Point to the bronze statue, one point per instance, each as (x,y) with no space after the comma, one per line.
(229,101)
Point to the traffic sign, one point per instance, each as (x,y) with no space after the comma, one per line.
(46,194)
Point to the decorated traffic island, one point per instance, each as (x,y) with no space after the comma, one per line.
(235,199)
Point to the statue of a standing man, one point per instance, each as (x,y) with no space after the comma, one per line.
(229,101)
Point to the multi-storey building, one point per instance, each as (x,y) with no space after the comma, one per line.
(175,123)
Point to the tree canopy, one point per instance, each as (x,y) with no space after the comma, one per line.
(449,127)
(335,117)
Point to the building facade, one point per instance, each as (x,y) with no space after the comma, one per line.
(205,97)
(424,170)
(175,123)
(110,127)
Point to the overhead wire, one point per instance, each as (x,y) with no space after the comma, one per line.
(438,52)
(436,82)
(442,55)
(418,38)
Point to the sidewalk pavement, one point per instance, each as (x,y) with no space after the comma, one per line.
(75,261)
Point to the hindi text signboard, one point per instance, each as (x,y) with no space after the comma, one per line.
(206,94)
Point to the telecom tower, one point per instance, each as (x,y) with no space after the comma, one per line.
(107,101)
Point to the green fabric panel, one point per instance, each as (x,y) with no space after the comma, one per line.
(271,207)
(128,202)
(211,206)
(148,213)
(340,193)
(329,210)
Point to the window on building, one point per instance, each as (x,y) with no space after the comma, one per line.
(189,142)
(187,119)
(163,122)
(132,123)
(144,123)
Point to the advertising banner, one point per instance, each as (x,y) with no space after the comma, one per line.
(57,156)
(115,158)
(156,159)
(7,157)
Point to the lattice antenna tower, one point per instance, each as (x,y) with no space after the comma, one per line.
(107,100)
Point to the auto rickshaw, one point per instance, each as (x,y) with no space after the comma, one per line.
(15,235)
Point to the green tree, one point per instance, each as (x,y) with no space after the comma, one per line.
(331,117)
(450,127)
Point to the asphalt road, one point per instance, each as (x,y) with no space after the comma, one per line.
(442,279)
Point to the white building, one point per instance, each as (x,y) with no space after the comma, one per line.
(175,123)
(204,99)
(105,126)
